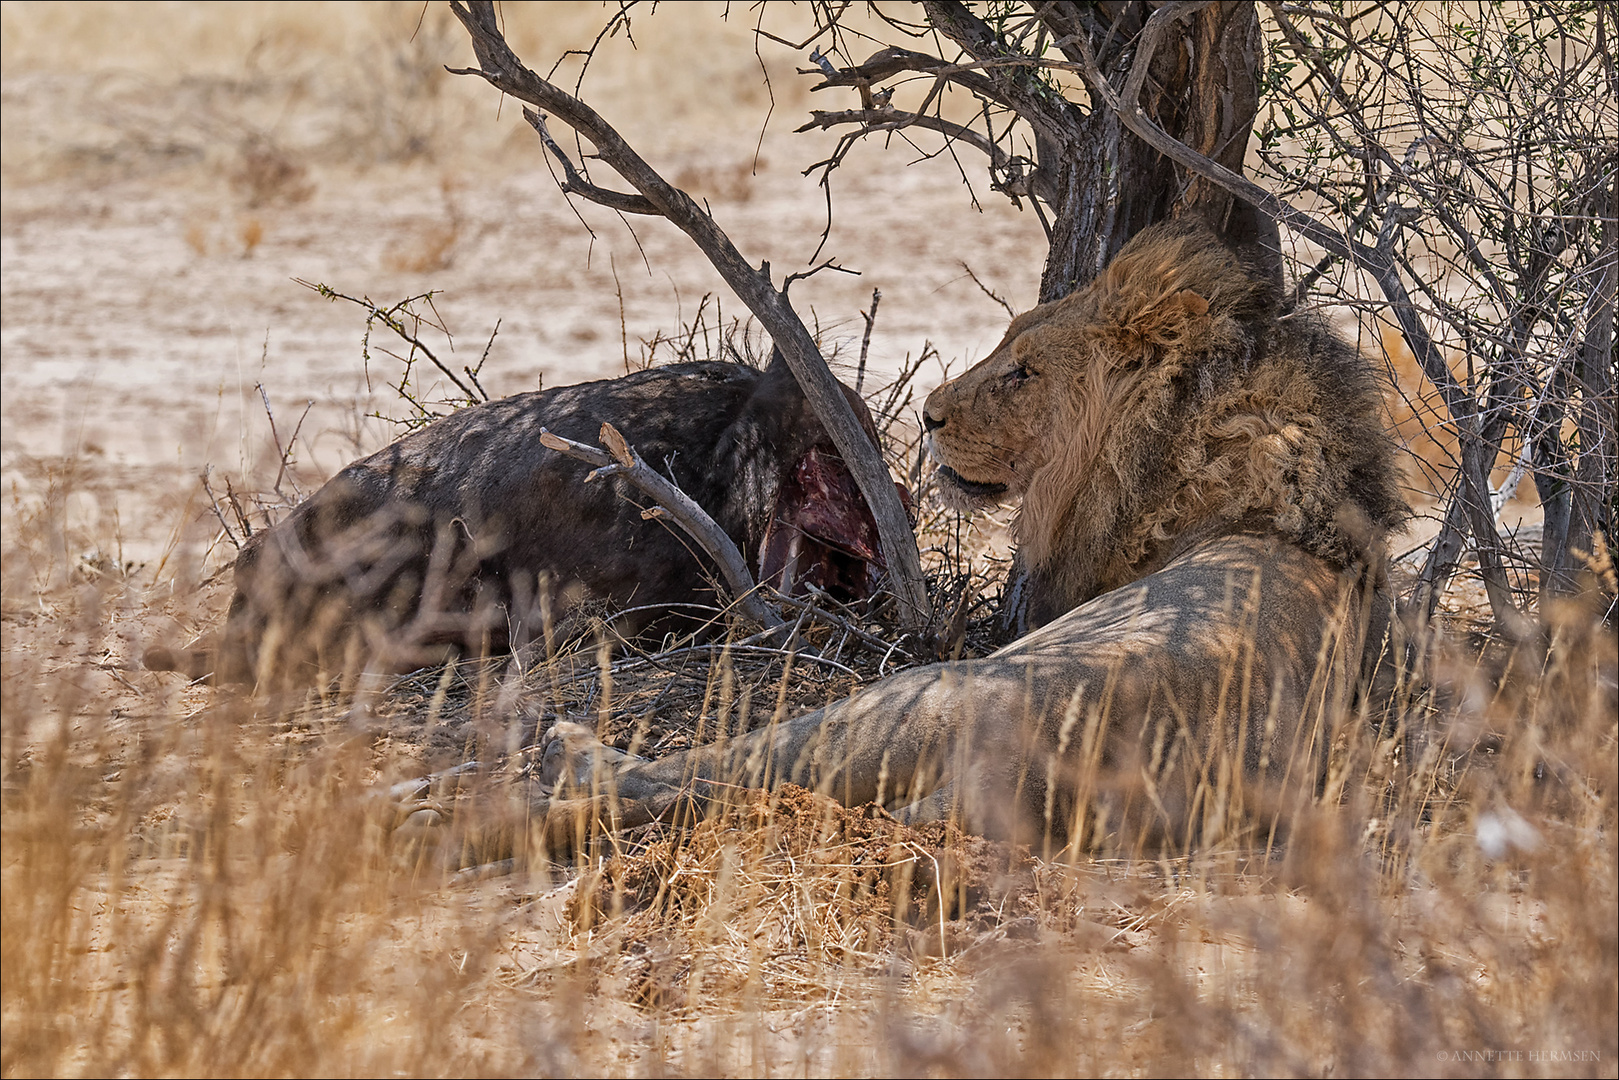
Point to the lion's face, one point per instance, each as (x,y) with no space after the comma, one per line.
(1075,377)
(991,429)
(1035,411)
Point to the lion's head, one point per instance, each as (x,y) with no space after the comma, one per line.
(1166,403)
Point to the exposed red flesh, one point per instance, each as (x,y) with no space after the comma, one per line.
(822,533)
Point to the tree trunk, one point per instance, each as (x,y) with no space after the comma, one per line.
(1107,185)
(1594,473)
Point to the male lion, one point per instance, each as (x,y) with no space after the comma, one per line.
(1206,490)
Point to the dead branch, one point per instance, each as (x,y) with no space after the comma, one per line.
(676,505)
(1049,120)
(804,275)
(865,339)
(502,69)
(389,317)
(872,121)
(236,508)
(573,183)
(891,61)
(876,114)
(292,440)
(213,505)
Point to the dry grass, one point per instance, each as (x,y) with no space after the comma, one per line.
(261,92)
(201,883)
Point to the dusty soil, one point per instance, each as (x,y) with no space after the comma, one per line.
(146,302)
(157,215)
(170,177)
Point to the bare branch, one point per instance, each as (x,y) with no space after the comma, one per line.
(235,505)
(292,441)
(501,68)
(213,505)
(886,63)
(872,121)
(1011,81)
(803,275)
(574,183)
(679,507)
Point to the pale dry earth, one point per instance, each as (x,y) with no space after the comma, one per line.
(149,268)
(139,317)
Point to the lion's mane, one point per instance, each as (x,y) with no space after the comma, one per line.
(1176,403)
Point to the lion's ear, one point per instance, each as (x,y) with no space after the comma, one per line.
(1191,302)
(1172,320)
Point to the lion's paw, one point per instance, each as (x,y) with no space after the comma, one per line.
(575,760)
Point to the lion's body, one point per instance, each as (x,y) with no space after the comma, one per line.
(1206,492)
(1188,706)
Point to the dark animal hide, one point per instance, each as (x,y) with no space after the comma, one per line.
(467,534)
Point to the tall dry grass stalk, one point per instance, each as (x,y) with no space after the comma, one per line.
(202,883)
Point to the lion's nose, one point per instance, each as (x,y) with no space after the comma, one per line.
(929,421)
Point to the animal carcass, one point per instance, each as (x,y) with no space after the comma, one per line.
(466,534)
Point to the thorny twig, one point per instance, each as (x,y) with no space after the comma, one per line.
(389,317)
(987,291)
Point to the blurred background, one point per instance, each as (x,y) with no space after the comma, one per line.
(167,170)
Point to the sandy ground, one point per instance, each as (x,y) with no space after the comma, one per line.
(142,312)
(123,342)
(169,172)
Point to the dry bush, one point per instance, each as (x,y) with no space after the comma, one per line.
(431,247)
(719,181)
(267,175)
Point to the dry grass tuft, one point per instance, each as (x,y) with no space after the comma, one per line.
(267,175)
(430,247)
(196,882)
